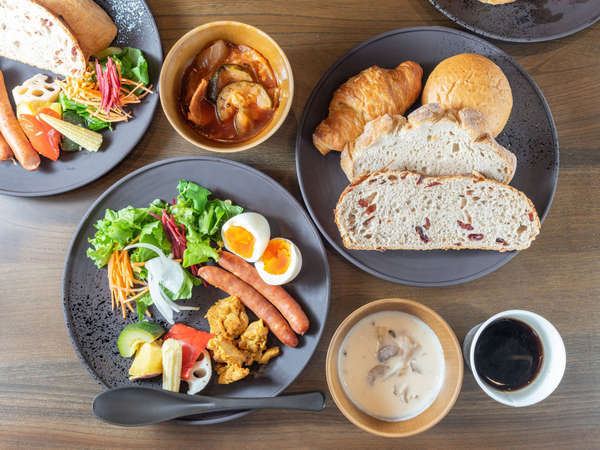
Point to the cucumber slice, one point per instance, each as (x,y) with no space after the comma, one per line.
(135,334)
(226,74)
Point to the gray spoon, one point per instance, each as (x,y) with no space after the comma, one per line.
(132,406)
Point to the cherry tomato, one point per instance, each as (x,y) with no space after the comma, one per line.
(44,139)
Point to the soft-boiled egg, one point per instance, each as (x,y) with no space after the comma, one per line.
(246,235)
(280,263)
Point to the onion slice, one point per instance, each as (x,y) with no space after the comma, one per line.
(165,273)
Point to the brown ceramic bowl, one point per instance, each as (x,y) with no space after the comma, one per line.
(184,51)
(448,393)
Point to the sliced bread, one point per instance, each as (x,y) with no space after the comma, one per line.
(432,141)
(31,34)
(405,210)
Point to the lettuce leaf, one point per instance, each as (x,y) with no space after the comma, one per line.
(93,123)
(116,230)
(198,252)
(151,233)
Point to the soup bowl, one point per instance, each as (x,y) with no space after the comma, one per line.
(453,374)
(182,54)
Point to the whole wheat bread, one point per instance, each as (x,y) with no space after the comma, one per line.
(433,141)
(405,210)
(33,35)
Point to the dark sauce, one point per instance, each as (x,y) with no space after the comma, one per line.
(508,354)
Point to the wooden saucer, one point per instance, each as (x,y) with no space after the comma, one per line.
(448,393)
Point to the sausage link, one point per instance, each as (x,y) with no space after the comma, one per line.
(5,151)
(283,301)
(13,133)
(253,300)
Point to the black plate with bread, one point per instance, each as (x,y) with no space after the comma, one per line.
(461,162)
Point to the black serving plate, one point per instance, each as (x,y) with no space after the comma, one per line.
(530,133)
(523,20)
(75,169)
(94,328)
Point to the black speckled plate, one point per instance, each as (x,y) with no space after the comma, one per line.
(75,169)
(523,20)
(530,133)
(94,328)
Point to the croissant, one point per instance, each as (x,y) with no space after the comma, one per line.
(364,97)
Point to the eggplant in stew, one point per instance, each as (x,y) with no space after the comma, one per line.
(229,92)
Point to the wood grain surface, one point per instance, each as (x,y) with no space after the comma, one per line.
(46,394)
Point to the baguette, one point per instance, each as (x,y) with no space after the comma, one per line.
(33,35)
(432,141)
(408,211)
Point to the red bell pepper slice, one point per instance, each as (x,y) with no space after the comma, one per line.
(44,139)
(193,342)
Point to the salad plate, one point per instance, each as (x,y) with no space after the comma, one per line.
(530,134)
(94,327)
(522,20)
(137,29)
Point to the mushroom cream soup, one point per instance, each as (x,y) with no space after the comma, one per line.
(391,365)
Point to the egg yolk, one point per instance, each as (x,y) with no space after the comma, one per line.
(277,256)
(240,241)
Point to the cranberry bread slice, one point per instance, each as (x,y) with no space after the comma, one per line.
(432,141)
(405,210)
(32,34)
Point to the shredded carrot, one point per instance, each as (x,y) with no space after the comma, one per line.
(121,282)
(86,92)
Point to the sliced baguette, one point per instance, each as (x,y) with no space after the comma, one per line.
(91,25)
(405,210)
(31,34)
(433,141)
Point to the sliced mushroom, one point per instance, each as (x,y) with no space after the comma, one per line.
(386,352)
(376,372)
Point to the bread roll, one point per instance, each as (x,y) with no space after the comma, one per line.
(470,80)
(93,28)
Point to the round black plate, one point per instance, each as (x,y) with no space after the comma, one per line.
(75,169)
(523,20)
(94,328)
(530,134)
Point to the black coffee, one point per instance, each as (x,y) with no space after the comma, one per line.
(508,354)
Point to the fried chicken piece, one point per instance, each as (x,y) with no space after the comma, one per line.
(225,351)
(227,317)
(268,355)
(230,373)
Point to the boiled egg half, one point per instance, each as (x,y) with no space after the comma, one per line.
(246,235)
(280,263)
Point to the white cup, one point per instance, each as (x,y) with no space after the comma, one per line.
(553,361)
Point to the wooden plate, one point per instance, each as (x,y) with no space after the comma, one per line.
(448,393)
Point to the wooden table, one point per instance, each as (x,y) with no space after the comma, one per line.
(46,394)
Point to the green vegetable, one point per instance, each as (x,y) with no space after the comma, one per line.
(115,231)
(67,144)
(135,334)
(88,139)
(132,63)
(93,123)
(151,233)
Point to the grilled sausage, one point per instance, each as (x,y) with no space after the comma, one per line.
(12,132)
(253,300)
(283,301)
